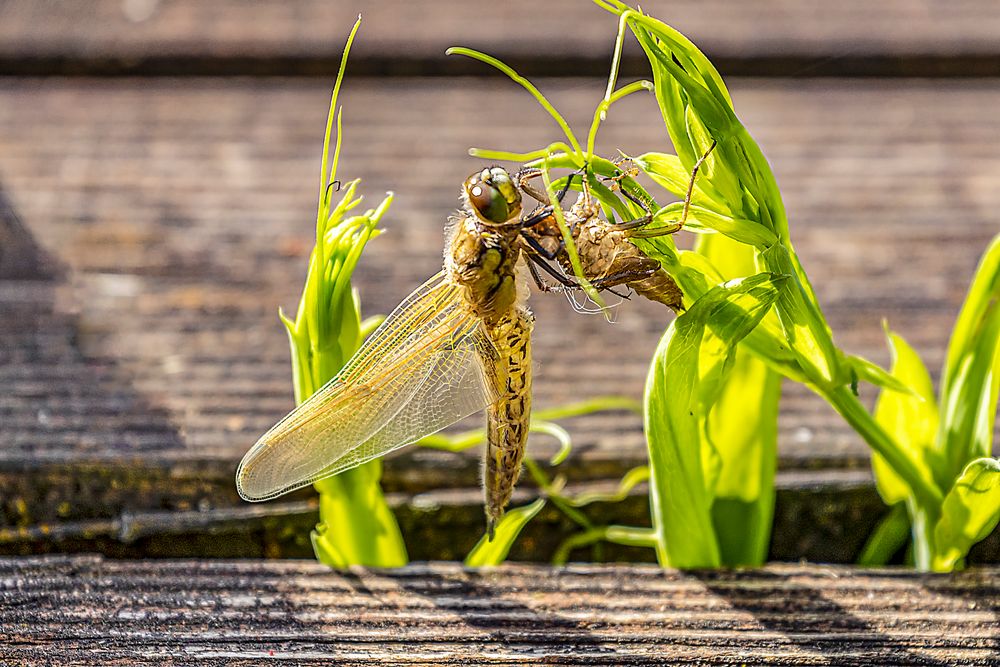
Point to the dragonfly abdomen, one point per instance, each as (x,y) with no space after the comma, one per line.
(508,418)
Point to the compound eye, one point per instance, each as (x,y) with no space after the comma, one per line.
(489,202)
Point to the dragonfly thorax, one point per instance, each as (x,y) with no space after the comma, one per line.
(482,261)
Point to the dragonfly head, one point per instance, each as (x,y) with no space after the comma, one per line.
(493,196)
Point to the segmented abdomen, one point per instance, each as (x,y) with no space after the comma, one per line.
(507,419)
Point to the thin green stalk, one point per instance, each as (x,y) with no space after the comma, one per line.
(601,112)
(524,83)
(625,535)
(589,406)
(553,149)
(356,525)
(570,243)
(902,461)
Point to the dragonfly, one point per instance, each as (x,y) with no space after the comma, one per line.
(460,343)
(607,258)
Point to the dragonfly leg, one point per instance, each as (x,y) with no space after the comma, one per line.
(623,172)
(545,210)
(526,174)
(537,248)
(566,283)
(534,262)
(677,225)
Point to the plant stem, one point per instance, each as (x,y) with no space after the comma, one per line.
(902,462)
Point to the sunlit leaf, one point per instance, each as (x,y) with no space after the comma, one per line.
(804,326)
(971,377)
(356,525)
(685,377)
(703,219)
(908,413)
(870,372)
(667,171)
(494,552)
(743,432)
(969,513)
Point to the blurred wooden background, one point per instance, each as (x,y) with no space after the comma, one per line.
(158,176)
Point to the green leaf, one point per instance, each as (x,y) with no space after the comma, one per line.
(487,552)
(743,430)
(356,525)
(969,513)
(673,56)
(984,289)
(684,380)
(876,375)
(667,171)
(971,376)
(888,538)
(908,413)
(804,326)
(695,104)
(696,274)
(703,219)
(743,433)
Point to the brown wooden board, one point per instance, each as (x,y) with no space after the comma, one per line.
(85,610)
(274,36)
(182,212)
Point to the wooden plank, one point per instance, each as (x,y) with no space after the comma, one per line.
(84,608)
(182,211)
(273,36)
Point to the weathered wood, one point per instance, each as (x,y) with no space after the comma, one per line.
(85,609)
(182,37)
(182,213)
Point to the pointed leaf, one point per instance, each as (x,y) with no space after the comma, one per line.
(804,326)
(909,416)
(971,377)
(969,513)
(667,171)
(487,553)
(876,375)
(985,289)
(743,429)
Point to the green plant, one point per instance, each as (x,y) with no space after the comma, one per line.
(711,455)
(952,436)
(356,525)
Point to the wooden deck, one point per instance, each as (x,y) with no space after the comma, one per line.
(57,610)
(151,226)
(807,38)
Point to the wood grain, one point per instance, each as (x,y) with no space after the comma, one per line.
(789,38)
(71,609)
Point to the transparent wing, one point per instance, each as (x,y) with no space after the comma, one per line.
(429,365)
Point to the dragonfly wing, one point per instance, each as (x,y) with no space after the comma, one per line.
(429,365)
